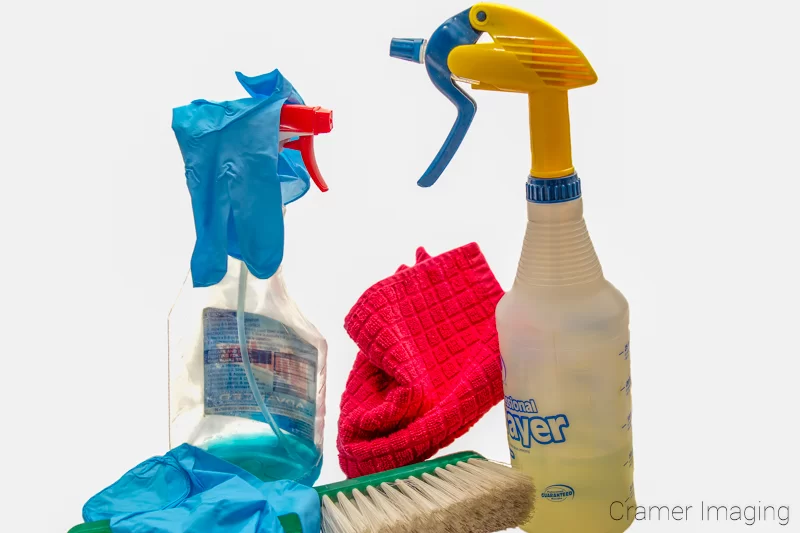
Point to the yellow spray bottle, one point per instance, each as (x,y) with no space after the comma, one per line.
(563,328)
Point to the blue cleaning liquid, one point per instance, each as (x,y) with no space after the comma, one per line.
(264,456)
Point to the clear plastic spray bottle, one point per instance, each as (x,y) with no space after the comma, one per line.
(246,368)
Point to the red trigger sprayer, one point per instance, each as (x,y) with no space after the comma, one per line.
(305,122)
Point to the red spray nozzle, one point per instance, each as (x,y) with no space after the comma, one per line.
(306,122)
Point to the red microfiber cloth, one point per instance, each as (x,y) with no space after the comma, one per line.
(429,362)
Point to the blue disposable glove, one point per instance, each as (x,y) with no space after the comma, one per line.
(238,178)
(189,490)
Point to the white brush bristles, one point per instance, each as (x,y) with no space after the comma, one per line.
(475,496)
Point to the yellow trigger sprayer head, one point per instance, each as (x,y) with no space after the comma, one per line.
(526,55)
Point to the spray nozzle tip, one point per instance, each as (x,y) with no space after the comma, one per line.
(323,120)
(408,49)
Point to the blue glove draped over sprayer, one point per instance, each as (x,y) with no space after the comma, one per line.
(189,489)
(238,178)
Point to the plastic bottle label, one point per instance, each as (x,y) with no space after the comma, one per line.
(284,366)
(527,427)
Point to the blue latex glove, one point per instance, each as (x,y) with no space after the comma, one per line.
(190,490)
(237,177)
(292,173)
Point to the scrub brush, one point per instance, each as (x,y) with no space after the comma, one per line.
(462,492)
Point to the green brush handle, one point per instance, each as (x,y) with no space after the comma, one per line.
(390,476)
(100,526)
(290,523)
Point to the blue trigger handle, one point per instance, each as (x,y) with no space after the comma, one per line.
(456,31)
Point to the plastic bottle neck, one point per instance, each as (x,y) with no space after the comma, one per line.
(557,250)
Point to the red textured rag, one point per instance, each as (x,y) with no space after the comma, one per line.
(429,363)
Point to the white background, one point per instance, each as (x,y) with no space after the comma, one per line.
(687,147)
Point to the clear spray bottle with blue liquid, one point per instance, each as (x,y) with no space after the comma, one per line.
(246,368)
(562,327)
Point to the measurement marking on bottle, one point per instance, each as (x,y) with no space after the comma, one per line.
(630,494)
(627,425)
(626,387)
(629,462)
(625,353)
